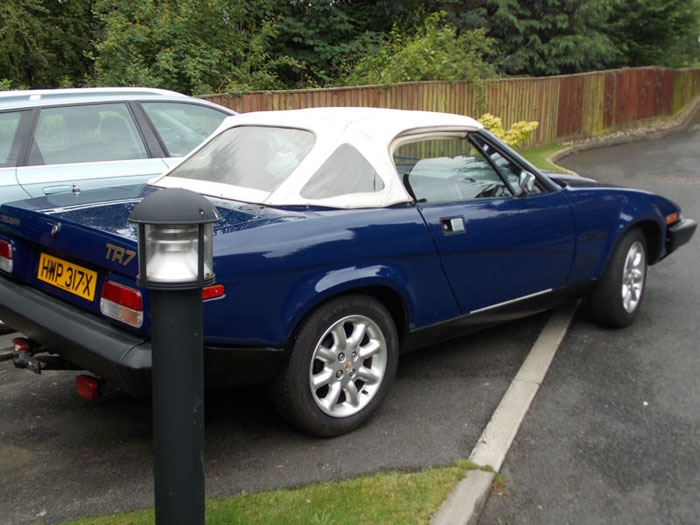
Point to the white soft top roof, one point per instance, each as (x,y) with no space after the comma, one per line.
(372,131)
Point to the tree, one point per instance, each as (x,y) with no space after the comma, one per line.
(46,43)
(651,32)
(193,46)
(323,38)
(436,52)
(198,46)
(550,37)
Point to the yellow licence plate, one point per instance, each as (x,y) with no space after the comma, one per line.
(67,276)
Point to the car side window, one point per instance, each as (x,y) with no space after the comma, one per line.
(89,133)
(182,126)
(447,170)
(523,182)
(9,124)
(345,172)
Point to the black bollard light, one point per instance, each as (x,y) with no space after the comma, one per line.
(175,261)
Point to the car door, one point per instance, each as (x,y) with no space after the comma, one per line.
(85,146)
(498,242)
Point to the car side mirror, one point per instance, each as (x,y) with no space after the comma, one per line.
(526,181)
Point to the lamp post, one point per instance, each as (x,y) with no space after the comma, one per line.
(175,262)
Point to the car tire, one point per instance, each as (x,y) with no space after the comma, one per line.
(616,298)
(339,368)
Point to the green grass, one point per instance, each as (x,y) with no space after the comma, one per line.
(538,157)
(388,497)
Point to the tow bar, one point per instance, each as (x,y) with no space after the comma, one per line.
(24,352)
(24,355)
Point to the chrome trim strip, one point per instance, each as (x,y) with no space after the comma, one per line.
(504,303)
(88,205)
(87,164)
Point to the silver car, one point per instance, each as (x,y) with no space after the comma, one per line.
(63,140)
(69,140)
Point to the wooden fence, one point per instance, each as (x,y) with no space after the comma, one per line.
(567,107)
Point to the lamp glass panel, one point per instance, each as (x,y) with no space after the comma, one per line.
(171,253)
(208,249)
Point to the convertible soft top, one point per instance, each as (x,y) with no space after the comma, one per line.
(355,135)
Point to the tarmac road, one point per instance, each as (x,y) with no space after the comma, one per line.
(614,433)
(62,457)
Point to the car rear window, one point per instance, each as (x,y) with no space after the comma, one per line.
(181,125)
(256,157)
(9,123)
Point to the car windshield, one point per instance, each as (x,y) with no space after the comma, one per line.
(256,157)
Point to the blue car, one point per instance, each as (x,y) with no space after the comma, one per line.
(347,236)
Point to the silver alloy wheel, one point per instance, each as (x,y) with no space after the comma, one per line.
(633,277)
(348,366)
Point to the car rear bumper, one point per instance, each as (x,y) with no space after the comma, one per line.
(680,233)
(114,354)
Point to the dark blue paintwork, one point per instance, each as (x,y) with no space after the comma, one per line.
(277,264)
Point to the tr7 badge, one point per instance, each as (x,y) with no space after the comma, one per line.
(119,254)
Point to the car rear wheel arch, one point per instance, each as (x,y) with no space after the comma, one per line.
(387,296)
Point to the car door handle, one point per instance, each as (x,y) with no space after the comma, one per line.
(50,190)
(452,225)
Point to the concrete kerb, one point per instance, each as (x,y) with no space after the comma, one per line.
(464,504)
(676,124)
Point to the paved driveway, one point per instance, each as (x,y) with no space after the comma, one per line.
(614,433)
(62,457)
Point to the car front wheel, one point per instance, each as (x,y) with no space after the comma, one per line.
(339,368)
(616,298)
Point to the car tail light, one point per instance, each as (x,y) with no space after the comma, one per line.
(5,256)
(212,292)
(122,303)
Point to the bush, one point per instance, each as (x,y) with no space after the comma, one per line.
(437,52)
(518,133)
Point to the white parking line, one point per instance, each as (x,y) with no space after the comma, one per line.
(464,505)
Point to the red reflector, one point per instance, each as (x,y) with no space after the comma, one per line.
(5,250)
(211,292)
(122,295)
(20,343)
(6,256)
(88,387)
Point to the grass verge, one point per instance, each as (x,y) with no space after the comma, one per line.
(386,497)
(538,157)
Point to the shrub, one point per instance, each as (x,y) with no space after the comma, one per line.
(518,133)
